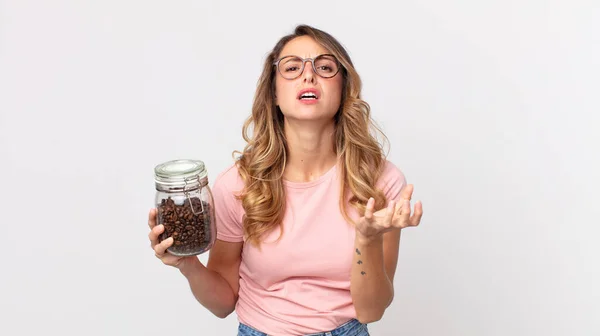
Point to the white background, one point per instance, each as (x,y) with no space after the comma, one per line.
(491,108)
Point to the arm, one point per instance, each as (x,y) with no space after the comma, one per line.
(376,254)
(372,278)
(216,285)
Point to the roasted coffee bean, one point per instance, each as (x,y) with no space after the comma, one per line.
(191,232)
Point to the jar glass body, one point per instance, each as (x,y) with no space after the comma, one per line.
(187,215)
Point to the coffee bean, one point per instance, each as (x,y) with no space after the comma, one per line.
(191,232)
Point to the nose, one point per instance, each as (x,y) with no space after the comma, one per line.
(308,73)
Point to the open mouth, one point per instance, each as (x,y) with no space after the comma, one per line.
(308,95)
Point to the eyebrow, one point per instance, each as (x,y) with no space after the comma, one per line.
(323,54)
(287,60)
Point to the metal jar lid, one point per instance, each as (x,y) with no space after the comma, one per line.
(180,175)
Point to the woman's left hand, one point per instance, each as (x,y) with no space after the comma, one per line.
(397,215)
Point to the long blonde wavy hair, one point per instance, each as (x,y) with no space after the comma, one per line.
(263,160)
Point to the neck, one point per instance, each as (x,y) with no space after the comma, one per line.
(311,150)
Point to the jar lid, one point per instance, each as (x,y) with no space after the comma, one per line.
(179,172)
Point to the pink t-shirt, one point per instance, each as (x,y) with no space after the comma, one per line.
(301,284)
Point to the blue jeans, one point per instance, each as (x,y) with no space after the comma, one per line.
(350,328)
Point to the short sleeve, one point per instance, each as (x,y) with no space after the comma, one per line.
(227,206)
(392,181)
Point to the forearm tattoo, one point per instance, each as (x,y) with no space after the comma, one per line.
(360,262)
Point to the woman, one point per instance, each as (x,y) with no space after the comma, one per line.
(309,216)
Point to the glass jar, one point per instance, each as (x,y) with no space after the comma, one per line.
(185,206)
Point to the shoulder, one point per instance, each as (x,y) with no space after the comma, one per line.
(392,179)
(228,180)
(391,172)
(228,208)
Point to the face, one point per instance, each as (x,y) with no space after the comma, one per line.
(328,91)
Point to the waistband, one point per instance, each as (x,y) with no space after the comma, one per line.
(350,328)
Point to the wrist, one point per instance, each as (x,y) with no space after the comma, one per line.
(189,266)
(368,240)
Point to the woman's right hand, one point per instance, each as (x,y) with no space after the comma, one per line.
(160,249)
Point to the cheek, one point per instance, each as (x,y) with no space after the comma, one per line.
(284,92)
(336,91)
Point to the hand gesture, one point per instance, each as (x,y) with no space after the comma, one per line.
(397,215)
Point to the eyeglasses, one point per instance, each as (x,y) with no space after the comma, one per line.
(291,67)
